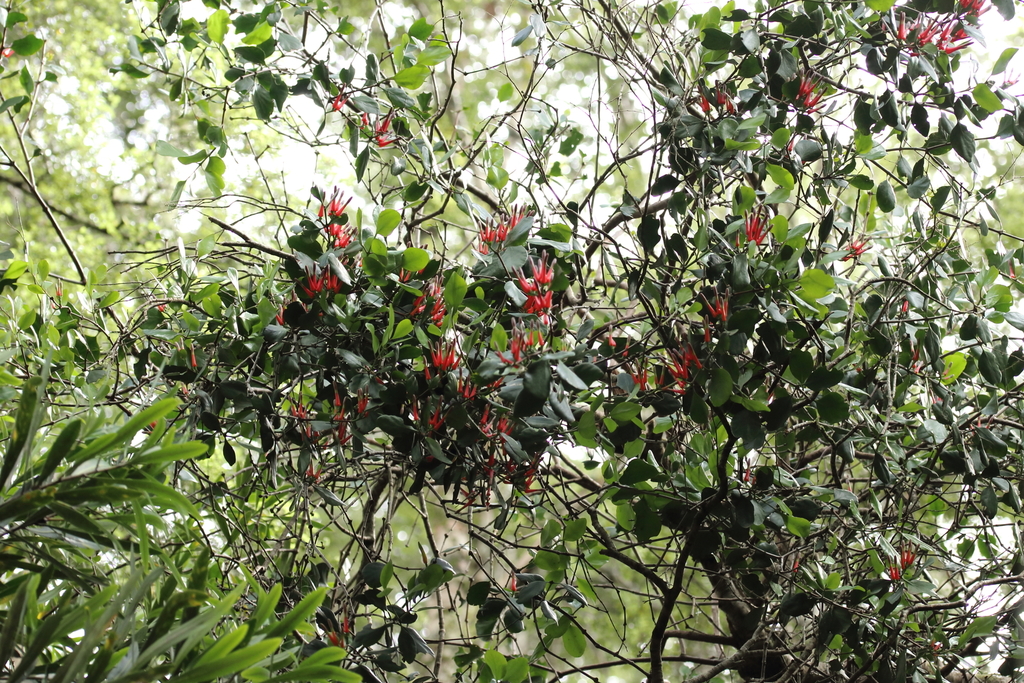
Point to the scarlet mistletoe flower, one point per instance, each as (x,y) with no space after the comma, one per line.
(444,357)
(339,102)
(756,227)
(724,101)
(8,52)
(466,388)
(808,96)
(857,248)
(705,105)
(974,8)
(318,280)
(719,309)
(381,133)
(301,415)
(496,231)
(432,296)
(680,369)
(521,341)
(897,572)
(335,207)
(538,301)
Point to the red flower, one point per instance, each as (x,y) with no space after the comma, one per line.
(538,301)
(720,309)
(522,340)
(497,231)
(335,207)
(381,134)
(974,8)
(8,52)
(756,227)
(897,572)
(857,249)
(444,357)
(705,105)
(438,309)
(808,96)
(321,281)
(339,102)
(724,101)
(543,274)
(466,388)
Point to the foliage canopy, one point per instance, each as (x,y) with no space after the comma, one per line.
(611,339)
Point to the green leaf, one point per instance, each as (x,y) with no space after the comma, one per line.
(720,388)
(1004,60)
(387,221)
(26,423)
(833,407)
(496,662)
(963,142)
(522,35)
(361,162)
(166,149)
(987,99)
(574,641)
(798,526)
(571,141)
(27,46)
(782,177)
(886,197)
(713,39)
(505,92)
(412,77)
(229,664)
(455,291)
(263,103)
(403,328)
(816,283)
(259,35)
(516,670)
(625,411)
(880,5)
(415,259)
(300,613)
(421,29)
(1006,10)
(433,55)
(217,25)
(955,363)
(537,380)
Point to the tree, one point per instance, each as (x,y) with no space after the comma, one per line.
(697,379)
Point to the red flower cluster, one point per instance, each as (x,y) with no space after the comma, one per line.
(682,361)
(381,132)
(318,280)
(436,419)
(438,309)
(857,248)
(522,339)
(897,572)
(808,95)
(340,235)
(339,102)
(301,415)
(719,309)
(443,357)
(756,227)
(946,34)
(723,100)
(536,289)
(495,233)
